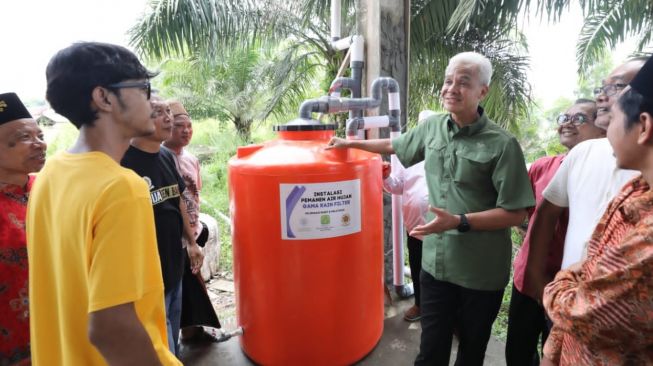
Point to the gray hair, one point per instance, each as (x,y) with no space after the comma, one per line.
(483,63)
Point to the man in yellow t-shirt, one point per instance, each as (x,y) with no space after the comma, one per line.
(96,292)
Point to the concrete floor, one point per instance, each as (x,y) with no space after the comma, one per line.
(398,346)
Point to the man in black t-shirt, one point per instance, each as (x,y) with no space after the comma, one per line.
(156,165)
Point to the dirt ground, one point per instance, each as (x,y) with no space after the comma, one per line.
(221,292)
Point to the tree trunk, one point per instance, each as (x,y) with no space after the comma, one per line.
(244,128)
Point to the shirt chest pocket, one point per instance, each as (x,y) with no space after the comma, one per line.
(473,167)
(434,158)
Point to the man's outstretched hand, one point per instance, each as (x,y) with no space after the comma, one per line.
(336,143)
(443,221)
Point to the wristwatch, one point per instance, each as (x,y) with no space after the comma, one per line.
(463,227)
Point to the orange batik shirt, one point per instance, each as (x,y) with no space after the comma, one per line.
(602,309)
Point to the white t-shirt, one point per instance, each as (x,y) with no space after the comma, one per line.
(587,180)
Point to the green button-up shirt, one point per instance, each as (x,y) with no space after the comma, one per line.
(471,169)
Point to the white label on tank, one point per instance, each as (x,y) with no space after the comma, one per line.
(320,210)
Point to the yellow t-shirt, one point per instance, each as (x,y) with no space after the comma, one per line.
(91,245)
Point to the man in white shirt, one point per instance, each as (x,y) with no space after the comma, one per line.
(585,183)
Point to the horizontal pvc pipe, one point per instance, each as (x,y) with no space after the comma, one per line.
(375,122)
(341,44)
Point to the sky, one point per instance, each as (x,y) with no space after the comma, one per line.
(33,30)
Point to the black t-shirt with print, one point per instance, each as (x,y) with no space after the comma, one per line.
(160,174)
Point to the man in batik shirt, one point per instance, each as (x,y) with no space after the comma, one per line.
(22,151)
(602,307)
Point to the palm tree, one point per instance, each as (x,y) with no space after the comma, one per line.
(610,22)
(607,22)
(204,28)
(436,37)
(245,85)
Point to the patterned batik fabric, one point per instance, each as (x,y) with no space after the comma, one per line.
(14,305)
(602,309)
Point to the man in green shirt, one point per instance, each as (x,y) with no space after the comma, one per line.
(478,188)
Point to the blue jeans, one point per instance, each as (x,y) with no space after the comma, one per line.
(173,317)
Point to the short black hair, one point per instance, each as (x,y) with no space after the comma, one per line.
(587,101)
(75,71)
(632,103)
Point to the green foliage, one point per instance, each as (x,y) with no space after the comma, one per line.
(610,22)
(593,76)
(244,86)
(435,39)
(540,138)
(500,325)
(60,136)
(221,141)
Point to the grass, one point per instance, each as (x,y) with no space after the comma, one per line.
(500,326)
(215,143)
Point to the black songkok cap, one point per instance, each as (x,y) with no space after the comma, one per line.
(643,81)
(11,108)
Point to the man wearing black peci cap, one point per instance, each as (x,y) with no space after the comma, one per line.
(22,151)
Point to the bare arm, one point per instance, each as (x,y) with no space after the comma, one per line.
(194,252)
(379,146)
(120,337)
(493,219)
(540,238)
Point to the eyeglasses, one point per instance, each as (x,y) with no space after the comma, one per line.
(143,85)
(609,90)
(577,119)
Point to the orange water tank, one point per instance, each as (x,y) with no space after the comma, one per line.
(308,249)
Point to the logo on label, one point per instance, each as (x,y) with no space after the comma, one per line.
(345,220)
(325,219)
(149,182)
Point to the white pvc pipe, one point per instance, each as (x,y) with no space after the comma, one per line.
(335,19)
(341,44)
(394,102)
(376,122)
(358,49)
(397,227)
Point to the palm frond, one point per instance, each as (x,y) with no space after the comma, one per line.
(187,27)
(509,96)
(611,22)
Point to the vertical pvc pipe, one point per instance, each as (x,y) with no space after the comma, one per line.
(397,228)
(357,48)
(335,20)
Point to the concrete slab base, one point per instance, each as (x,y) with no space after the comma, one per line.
(398,346)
